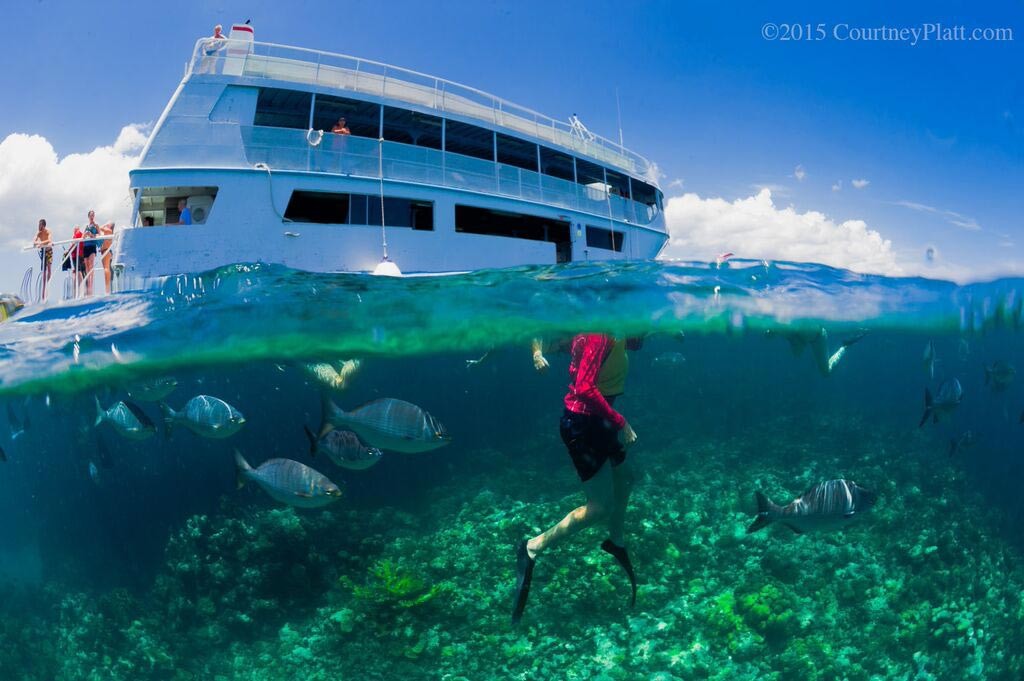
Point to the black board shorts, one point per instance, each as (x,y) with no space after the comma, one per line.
(591,440)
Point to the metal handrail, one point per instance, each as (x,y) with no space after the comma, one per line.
(499,108)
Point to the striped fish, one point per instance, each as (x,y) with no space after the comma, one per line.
(828,505)
(206,416)
(289,482)
(344,448)
(389,424)
(127,419)
(153,390)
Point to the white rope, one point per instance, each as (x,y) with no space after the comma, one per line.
(270,189)
(380,173)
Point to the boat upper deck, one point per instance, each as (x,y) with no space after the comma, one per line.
(258,60)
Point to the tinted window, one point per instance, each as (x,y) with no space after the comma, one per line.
(473,220)
(589,173)
(556,164)
(598,237)
(361,118)
(412,127)
(516,152)
(330,208)
(283,108)
(469,140)
(618,184)
(644,193)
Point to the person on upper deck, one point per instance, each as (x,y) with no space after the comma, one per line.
(106,254)
(596,437)
(211,46)
(89,248)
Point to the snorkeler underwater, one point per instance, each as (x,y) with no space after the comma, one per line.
(699,362)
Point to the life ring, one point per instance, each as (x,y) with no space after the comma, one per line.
(314,137)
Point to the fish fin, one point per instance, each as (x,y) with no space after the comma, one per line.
(328,412)
(100,414)
(849,515)
(764,513)
(795,529)
(312,440)
(927,407)
(853,339)
(304,495)
(242,468)
(169,415)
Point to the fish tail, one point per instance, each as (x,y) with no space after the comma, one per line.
(928,402)
(329,414)
(312,440)
(242,469)
(100,414)
(169,416)
(765,513)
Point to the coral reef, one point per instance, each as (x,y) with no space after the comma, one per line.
(912,591)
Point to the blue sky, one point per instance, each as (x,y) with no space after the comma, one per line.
(936,129)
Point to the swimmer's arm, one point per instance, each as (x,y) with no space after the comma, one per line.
(594,352)
(540,363)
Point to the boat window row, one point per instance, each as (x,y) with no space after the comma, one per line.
(281,108)
(333,208)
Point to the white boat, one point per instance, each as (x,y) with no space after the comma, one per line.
(427,175)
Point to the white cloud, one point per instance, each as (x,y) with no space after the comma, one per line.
(860,183)
(952,217)
(838,186)
(753,227)
(676,183)
(799,173)
(36,183)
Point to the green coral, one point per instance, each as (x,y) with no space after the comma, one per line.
(390,585)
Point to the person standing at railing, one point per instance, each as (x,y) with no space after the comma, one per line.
(184,213)
(341,132)
(211,46)
(45,245)
(107,254)
(89,249)
(73,259)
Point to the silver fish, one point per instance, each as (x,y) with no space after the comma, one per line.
(669,359)
(929,360)
(390,424)
(999,375)
(949,398)
(828,505)
(344,448)
(289,482)
(17,426)
(204,415)
(127,419)
(153,390)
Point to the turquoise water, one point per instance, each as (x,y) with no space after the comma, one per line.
(123,559)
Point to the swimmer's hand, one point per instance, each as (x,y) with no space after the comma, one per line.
(627,436)
(539,363)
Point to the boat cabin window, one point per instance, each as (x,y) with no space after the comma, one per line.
(589,174)
(618,184)
(645,193)
(362,118)
(412,127)
(557,164)
(159,205)
(330,208)
(516,152)
(278,108)
(468,140)
(599,237)
(474,220)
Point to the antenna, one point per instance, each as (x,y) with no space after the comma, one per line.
(618,111)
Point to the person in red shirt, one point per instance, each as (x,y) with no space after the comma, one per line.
(596,436)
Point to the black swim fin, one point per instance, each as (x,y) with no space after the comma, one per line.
(622,558)
(524,575)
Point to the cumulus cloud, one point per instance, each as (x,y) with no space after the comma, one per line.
(799,173)
(838,186)
(754,227)
(37,183)
(860,183)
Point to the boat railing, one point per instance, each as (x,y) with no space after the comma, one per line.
(38,287)
(343,72)
(292,150)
